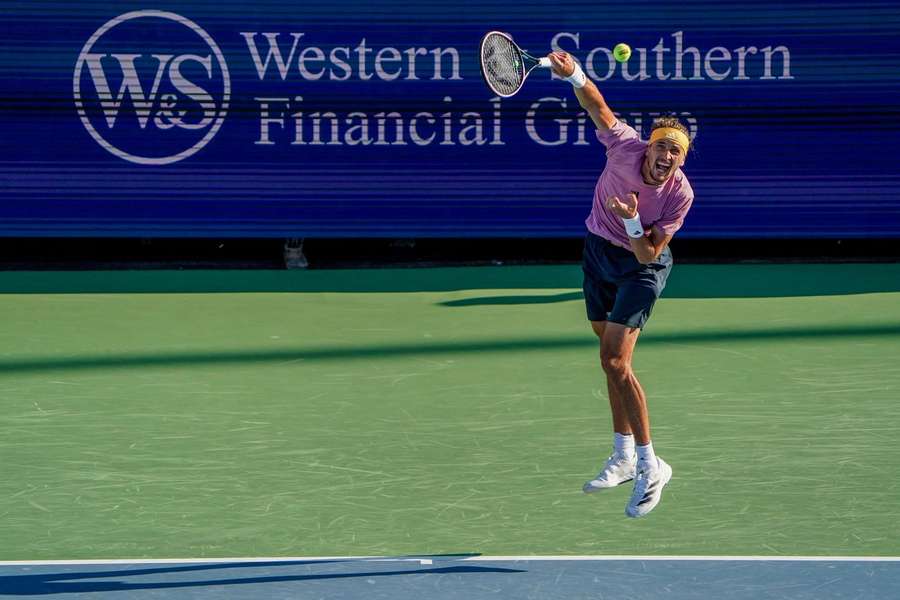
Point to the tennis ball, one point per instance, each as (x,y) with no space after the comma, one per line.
(622,52)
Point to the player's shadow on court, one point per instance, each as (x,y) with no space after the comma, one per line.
(510,300)
(167,577)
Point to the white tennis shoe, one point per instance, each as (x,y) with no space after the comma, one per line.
(648,487)
(617,470)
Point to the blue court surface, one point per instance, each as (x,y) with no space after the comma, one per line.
(461,576)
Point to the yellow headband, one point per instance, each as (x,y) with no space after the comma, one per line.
(673,135)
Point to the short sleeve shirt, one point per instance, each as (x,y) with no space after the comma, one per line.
(663,206)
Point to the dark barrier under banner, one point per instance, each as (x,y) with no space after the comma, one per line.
(301,119)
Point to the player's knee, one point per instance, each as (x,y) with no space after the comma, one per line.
(615,365)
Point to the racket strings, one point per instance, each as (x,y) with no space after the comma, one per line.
(503,67)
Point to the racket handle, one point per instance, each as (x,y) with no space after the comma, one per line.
(544,62)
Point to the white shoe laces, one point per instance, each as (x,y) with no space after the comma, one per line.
(614,463)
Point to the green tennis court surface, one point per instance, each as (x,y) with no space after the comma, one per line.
(410,412)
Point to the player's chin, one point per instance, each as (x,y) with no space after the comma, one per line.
(661,175)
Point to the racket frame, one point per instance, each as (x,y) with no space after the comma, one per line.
(528,62)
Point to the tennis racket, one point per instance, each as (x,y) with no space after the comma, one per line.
(504,65)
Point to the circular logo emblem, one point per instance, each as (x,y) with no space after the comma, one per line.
(151,87)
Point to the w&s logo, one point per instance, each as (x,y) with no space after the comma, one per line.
(151,87)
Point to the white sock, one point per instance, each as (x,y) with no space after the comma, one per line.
(646,455)
(623,445)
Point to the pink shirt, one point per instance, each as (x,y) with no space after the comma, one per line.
(663,206)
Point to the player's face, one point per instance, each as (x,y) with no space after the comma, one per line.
(662,160)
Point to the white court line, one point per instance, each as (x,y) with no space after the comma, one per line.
(695,558)
(424,559)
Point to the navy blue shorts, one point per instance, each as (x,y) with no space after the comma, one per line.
(617,287)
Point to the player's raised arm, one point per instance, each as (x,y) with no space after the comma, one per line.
(587,93)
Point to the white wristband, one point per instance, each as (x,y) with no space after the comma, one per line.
(633,226)
(577,78)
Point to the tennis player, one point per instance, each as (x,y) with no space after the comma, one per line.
(640,201)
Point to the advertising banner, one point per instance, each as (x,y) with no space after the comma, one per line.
(365,119)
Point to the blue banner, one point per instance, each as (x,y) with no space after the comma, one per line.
(273,119)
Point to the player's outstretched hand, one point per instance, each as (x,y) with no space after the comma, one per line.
(562,63)
(627,208)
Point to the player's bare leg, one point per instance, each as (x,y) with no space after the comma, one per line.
(652,472)
(617,348)
(620,465)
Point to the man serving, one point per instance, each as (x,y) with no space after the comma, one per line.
(640,201)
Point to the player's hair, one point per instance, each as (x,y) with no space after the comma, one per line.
(671,121)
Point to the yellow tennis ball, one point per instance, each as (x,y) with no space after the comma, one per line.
(622,52)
